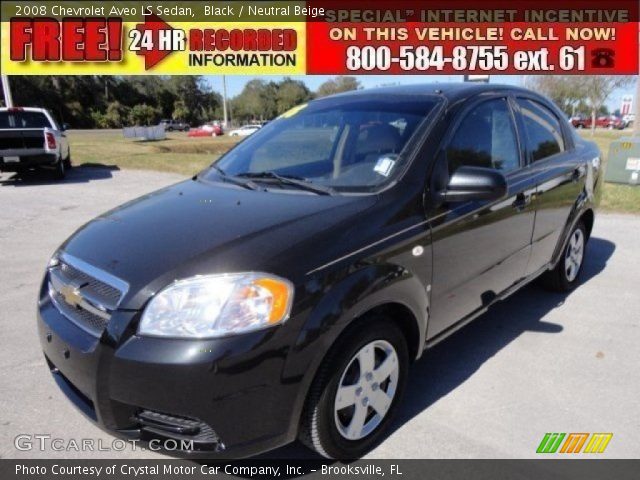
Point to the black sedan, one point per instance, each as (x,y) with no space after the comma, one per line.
(282,293)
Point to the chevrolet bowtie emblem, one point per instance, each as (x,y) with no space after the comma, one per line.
(71,295)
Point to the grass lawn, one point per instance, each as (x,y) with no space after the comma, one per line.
(187,156)
(177,154)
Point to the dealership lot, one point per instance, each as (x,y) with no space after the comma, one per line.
(536,363)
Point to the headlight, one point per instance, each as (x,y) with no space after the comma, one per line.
(218,305)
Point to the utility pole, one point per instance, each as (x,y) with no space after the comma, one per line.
(636,101)
(224,102)
(6,88)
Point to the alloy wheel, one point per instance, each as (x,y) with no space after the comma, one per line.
(574,255)
(366,390)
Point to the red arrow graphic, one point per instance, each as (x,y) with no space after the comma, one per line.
(153,55)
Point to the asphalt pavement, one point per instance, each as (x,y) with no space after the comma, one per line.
(538,362)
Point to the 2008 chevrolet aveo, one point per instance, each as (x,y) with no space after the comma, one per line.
(283,292)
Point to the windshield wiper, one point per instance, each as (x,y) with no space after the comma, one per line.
(300,182)
(235,180)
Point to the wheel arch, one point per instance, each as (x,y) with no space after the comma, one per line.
(388,290)
(586,215)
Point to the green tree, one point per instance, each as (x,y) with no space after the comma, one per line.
(338,85)
(598,88)
(144,114)
(291,93)
(180,110)
(566,91)
(256,101)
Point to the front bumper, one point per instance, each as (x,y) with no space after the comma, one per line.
(226,395)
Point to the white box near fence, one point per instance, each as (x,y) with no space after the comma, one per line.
(145,133)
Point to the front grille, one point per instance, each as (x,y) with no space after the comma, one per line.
(106,294)
(83,318)
(179,428)
(83,297)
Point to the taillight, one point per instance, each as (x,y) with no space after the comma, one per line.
(51,140)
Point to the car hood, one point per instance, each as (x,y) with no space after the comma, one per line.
(197,228)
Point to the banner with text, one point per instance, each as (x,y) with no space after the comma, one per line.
(319,37)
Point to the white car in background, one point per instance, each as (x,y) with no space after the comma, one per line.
(629,119)
(245,130)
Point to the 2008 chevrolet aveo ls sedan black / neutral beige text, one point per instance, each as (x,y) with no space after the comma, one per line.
(283,292)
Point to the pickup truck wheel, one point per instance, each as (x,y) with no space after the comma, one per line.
(356,391)
(566,275)
(60,170)
(67,162)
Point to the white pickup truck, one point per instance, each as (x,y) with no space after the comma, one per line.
(31,138)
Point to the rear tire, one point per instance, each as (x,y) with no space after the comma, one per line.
(67,162)
(60,171)
(357,390)
(566,274)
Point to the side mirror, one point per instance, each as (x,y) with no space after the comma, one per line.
(475,183)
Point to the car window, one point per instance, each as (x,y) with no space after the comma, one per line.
(544,134)
(23,119)
(485,138)
(349,145)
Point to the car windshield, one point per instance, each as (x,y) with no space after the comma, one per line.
(22,119)
(345,144)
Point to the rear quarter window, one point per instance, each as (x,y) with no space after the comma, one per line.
(543,131)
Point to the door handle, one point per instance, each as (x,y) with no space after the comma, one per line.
(521,202)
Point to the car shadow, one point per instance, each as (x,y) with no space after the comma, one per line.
(83,174)
(450,363)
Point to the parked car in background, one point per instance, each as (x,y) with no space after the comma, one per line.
(334,247)
(245,130)
(629,119)
(31,138)
(170,125)
(578,121)
(207,130)
(610,122)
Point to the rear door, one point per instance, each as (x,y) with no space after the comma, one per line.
(480,248)
(558,173)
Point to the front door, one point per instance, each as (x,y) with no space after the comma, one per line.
(480,248)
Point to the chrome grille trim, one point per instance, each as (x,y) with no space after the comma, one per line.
(103,277)
(85,295)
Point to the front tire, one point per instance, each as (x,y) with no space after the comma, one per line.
(356,391)
(566,275)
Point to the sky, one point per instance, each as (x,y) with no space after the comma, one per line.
(235,84)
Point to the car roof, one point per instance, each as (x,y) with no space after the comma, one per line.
(451,91)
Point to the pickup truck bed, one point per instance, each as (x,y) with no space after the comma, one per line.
(30,138)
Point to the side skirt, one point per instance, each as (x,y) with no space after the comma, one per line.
(431,342)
